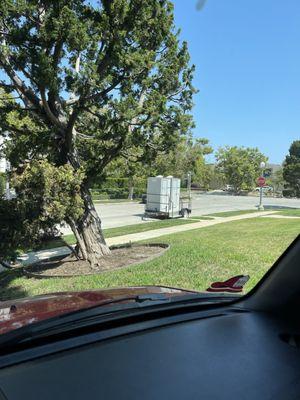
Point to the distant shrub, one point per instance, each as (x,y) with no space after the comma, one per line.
(288,193)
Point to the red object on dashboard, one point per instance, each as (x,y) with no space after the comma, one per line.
(232,285)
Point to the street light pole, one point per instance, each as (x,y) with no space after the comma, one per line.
(261,207)
(189,189)
(189,184)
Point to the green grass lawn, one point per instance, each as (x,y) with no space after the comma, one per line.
(194,260)
(123,230)
(201,217)
(149,226)
(227,214)
(290,213)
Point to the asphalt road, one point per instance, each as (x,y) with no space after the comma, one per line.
(121,214)
(114,215)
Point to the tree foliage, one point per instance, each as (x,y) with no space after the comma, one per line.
(216,180)
(276,180)
(46,196)
(133,87)
(187,156)
(291,169)
(127,177)
(240,166)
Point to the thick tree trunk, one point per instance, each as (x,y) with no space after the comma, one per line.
(91,245)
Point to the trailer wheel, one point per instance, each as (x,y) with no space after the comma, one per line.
(184,213)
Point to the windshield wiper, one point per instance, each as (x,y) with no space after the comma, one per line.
(76,319)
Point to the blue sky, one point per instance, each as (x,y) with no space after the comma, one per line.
(247,57)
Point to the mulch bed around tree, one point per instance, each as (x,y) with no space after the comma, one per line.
(120,257)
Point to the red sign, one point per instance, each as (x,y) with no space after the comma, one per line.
(261,181)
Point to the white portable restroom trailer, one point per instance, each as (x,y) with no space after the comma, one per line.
(163,197)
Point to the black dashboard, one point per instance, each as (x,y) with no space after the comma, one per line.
(236,355)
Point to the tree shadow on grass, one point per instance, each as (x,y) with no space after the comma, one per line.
(8,290)
(218,193)
(279,208)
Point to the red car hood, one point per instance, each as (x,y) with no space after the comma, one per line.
(17,313)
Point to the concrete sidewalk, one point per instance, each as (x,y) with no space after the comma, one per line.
(34,257)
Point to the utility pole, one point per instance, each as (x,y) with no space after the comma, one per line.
(189,184)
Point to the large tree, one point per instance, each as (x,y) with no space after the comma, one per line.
(95,80)
(240,166)
(291,169)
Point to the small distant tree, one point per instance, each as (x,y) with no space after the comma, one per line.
(276,180)
(216,179)
(240,166)
(291,170)
(187,156)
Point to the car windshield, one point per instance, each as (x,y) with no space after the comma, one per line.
(146,147)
